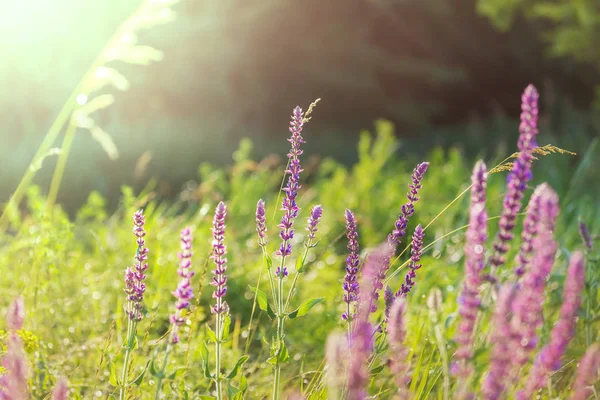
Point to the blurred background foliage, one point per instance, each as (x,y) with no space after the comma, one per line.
(445,72)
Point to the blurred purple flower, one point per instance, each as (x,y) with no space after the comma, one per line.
(494,383)
(416,250)
(61,390)
(408,209)
(549,358)
(584,232)
(261,227)
(336,354)
(374,271)
(16,314)
(519,176)
(184,292)
(134,275)
(587,373)
(398,352)
(289,206)
(469,299)
(530,228)
(361,348)
(219,280)
(313,221)
(13,383)
(352,263)
(388,300)
(528,303)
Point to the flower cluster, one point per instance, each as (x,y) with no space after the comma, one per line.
(135,275)
(530,227)
(398,352)
(416,250)
(587,373)
(261,226)
(519,176)
(219,280)
(289,206)
(352,262)
(376,266)
(13,383)
(469,299)
(184,292)
(408,209)
(313,221)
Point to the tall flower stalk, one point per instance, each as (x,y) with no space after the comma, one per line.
(416,250)
(549,358)
(352,263)
(519,176)
(13,383)
(134,288)
(587,373)
(184,294)
(470,298)
(219,281)
(398,352)
(530,227)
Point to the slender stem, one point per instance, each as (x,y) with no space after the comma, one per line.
(280,320)
(287,302)
(61,164)
(131,329)
(218,352)
(163,371)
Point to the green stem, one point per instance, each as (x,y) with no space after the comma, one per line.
(163,371)
(131,328)
(218,352)
(61,164)
(280,320)
(287,301)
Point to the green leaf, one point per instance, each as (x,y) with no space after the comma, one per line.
(243,383)
(112,378)
(204,355)
(138,381)
(226,325)
(232,391)
(300,262)
(153,370)
(177,372)
(268,260)
(237,367)
(304,308)
(263,301)
(376,370)
(212,337)
(283,355)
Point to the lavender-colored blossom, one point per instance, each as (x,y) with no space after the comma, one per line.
(184,292)
(361,348)
(530,227)
(469,299)
(519,176)
(549,358)
(584,232)
(352,263)
(408,209)
(587,373)
(313,221)
(398,352)
(336,354)
(61,390)
(289,206)
(388,300)
(261,227)
(219,280)
(374,271)
(16,314)
(494,383)
(134,275)
(416,250)
(528,304)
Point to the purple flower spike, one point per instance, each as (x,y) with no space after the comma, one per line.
(219,280)
(408,209)
(398,352)
(289,206)
(528,304)
(16,314)
(584,232)
(416,250)
(469,299)
(134,275)
(360,350)
(530,227)
(13,384)
(261,227)
(184,292)
(587,373)
(352,262)
(61,390)
(376,266)
(494,384)
(549,359)
(388,300)
(519,176)
(313,221)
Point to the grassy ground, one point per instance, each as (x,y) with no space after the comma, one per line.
(70,271)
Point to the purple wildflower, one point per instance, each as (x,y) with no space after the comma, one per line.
(587,373)
(519,176)
(469,300)
(529,301)
(361,348)
(313,221)
(416,250)
(376,266)
(261,227)
(584,232)
(388,300)
(530,227)
(352,262)
(549,358)
(134,275)
(184,292)
(16,315)
(408,209)
(289,206)
(219,250)
(494,383)
(398,352)
(61,390)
